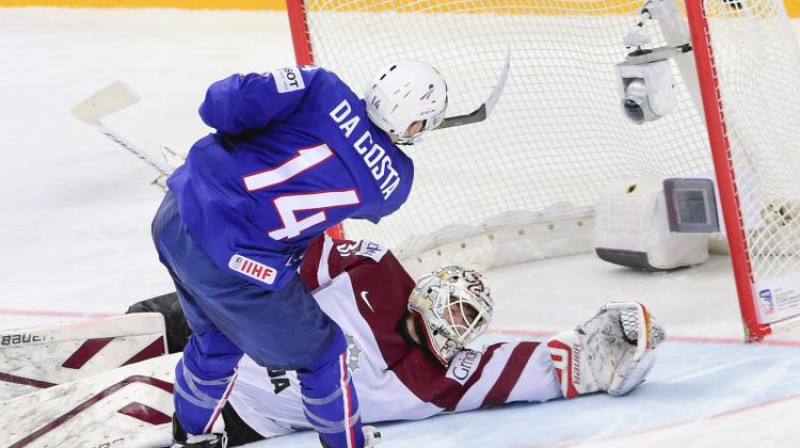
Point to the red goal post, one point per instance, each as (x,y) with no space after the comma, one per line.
(725,171)
(523,184)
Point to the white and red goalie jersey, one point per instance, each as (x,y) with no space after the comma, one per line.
(363,287)
(102,395)
(96,390)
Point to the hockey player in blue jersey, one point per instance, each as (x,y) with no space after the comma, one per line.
(295,152)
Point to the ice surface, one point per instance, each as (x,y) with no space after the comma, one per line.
(75,212)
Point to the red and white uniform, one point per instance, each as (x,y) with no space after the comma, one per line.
(365,290)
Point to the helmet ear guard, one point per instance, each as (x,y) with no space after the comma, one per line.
(403,93)
(454,307)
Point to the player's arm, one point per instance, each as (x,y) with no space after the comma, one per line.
(502,373)
(242,103)
(611,352)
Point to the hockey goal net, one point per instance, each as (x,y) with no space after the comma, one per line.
(525,181)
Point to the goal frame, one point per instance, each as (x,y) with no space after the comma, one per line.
(723,167)
(721,155)
(299,28)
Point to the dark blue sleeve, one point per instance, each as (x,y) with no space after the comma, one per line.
(242,103)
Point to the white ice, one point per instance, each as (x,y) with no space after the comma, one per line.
(75,212)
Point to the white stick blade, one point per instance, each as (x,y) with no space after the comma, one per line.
(111,98)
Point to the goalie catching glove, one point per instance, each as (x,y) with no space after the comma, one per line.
(611,352)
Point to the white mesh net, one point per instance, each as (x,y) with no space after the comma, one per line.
(758,64)
(558,137)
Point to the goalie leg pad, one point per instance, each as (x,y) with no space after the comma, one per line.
(612,352)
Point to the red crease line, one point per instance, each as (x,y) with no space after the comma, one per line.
(691,339)
(46,313)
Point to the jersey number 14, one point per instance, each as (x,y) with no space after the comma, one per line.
(289,204)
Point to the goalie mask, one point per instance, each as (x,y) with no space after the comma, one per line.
(454,306)
(403,93)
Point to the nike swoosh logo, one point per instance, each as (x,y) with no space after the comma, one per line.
(364,298)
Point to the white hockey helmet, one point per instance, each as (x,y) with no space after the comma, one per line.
(405,92)
(454,306)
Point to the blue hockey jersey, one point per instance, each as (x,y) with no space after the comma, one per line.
(294,154)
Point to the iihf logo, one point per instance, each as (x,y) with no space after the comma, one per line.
(767,301)
(252,268)
(428,93)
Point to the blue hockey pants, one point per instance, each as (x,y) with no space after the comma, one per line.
(229,316)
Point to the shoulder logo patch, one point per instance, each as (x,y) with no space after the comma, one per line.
(363,248)
(288,79)
(252,269)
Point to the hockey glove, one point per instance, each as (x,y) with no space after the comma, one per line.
(612,352)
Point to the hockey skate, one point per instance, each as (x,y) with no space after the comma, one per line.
(180,439)
(611,352)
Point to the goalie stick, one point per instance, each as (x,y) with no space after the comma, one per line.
(482,112)
(106,101)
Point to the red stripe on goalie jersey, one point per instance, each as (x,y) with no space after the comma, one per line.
(510,375)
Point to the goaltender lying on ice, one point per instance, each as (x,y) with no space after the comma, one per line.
(406,351)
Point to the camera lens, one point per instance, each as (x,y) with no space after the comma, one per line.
(633,110)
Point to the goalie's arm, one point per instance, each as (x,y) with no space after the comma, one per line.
(502,373)
(505,372)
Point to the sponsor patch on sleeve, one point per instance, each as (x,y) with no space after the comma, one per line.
(252,269)
(288,79)
(463,365)
(371,250)
(363,248)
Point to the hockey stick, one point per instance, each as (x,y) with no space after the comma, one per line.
(486,108)
(106,101)
(118,96)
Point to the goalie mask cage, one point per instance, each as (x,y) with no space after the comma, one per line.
(523,184)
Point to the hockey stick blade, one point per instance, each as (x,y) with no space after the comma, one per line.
(106,101)
(486,108)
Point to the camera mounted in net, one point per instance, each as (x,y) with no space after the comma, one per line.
(646,84)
